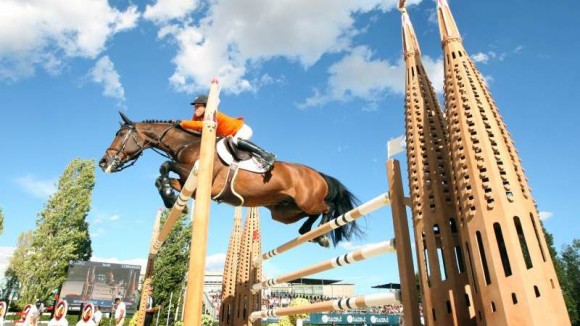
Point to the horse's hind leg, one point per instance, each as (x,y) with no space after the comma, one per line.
(307,226)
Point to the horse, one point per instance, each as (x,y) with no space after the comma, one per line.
(290,191)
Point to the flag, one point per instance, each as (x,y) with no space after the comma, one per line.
(396,146)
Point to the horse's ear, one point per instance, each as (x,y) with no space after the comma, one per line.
(124,117)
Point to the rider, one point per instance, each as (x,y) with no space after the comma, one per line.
(228,126)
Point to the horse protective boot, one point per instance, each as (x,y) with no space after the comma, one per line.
(267,159)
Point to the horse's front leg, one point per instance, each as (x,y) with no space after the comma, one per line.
(166,185)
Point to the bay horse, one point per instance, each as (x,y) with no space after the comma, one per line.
(290,191)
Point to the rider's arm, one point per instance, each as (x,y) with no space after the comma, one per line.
(192,124)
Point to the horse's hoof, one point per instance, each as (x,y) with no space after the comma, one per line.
(323,241)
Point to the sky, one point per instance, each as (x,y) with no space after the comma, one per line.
(320,83)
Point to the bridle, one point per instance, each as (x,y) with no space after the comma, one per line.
(116,159)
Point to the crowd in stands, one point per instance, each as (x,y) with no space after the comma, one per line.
(275,300)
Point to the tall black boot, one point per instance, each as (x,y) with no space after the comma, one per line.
(265,157)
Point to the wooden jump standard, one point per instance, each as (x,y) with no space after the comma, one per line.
(352,257)
(196,272)
(364,209)
(365,301)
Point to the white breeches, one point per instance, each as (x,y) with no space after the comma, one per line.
(244,133)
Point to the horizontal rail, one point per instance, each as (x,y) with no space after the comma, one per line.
(365,301)
(343,260)
(355,213)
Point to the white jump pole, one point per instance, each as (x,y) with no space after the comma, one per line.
(364,209)
(365,301)
(352,257)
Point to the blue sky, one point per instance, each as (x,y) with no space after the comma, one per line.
(321,83)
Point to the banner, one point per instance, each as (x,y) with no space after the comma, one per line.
(354,319)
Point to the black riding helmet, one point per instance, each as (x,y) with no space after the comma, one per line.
(200,99)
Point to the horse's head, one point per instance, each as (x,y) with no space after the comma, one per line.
(127,146)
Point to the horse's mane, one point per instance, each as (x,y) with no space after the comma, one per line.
(158,121)
(174,122)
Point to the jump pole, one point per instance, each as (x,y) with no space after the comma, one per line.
(364,209)
(198,248)
(352,257)
(365,301)
(148,271)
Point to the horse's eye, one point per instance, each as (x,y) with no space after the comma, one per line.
(120,133)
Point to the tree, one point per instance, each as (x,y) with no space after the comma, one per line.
(1,221)
(61,233)
(17,266)
(570,264)
(170,267)
(564,272)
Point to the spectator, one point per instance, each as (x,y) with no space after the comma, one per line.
(120,311)
(98,315)
(150,308)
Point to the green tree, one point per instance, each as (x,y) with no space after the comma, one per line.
(17,266)
(1,221)
(570,264)
(61,233)
(170,267)
(563,272)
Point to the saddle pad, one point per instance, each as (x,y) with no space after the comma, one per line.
(252,164)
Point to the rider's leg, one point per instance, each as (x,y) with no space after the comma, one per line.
(241,140)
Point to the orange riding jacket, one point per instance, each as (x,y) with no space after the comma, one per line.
(227,126)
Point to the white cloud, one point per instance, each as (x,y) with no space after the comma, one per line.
(215,263)
(114,217)
(358,75)
(165,10)
(480,57)
(37,187)
(104,73)
(546,215)
(47,33)
(236,35)
(5,254)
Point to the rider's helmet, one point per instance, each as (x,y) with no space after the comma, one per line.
(200,99)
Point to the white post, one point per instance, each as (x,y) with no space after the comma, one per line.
(169,309)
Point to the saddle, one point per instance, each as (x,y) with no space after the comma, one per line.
(236,159)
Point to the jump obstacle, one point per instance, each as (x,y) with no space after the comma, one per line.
(199,180)
(402,246)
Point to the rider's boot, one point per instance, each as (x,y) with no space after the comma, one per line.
(265,157)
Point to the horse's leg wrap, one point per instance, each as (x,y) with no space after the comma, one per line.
(165,190)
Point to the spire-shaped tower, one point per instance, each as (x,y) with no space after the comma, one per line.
(512,274)
(247,275)
(441,264)
(230,270)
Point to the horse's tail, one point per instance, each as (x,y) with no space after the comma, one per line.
(341,201)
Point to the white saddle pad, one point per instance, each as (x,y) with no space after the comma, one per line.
(252,164)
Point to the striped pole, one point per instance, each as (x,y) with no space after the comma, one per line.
(186,192)
(365,301)
(364,209)
(352,257)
